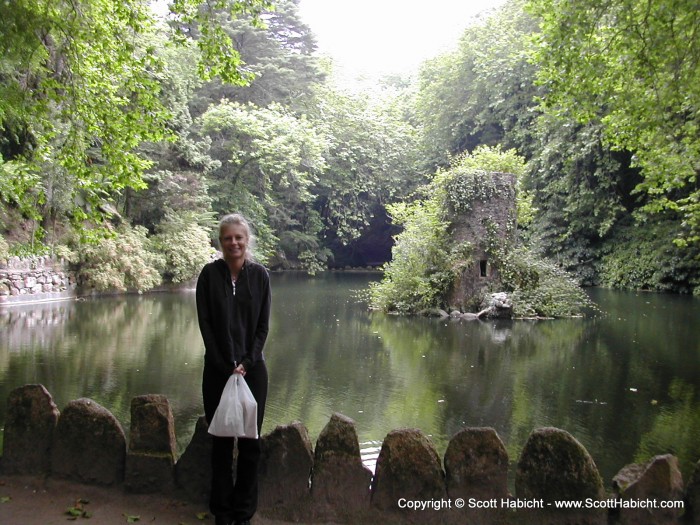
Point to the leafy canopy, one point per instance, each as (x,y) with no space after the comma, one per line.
(80,91)
(635,66)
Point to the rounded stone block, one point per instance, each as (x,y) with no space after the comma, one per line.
(658,480)
(408,467)
(152,425)
(340,480)
(193,468)
(285,470)
(476,465)
(29,427)
(555,466)
(692,496)
(89,445)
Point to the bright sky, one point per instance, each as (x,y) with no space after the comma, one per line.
(373,37)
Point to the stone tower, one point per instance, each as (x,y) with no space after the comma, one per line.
(483,219)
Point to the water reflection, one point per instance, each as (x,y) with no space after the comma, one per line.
(625,382)
(108,349)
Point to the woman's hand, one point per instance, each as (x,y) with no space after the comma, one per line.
(239,370)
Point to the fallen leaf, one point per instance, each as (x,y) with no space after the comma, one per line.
(5,499)
(202,516)
(131,519)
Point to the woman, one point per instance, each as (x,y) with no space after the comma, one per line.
(233,308)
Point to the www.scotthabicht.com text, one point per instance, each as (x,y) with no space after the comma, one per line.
(520,503)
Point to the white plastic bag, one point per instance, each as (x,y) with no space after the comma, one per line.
(237,413)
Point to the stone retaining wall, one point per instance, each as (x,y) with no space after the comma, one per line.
(35,279)
(87,444)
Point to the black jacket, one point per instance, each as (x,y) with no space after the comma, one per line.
(234,326)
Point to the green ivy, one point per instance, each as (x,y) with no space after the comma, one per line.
(463,188)
(470,179)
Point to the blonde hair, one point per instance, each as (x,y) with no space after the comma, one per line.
(236,219)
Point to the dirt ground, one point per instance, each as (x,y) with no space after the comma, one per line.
(27,500)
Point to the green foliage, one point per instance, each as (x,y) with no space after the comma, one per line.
(18,185)
(80,93)
(29,249)
(540,287)
(371,158)
(491,158)
(464,187)
(170,193)
(638,256)
(81,82)
(279,56)
(482,93)
(634,67)
(581,190)
(185,247)
(469,178)
(219,56)
(62,251)
(271,155)
(418,275)
(314,261)
(122,261)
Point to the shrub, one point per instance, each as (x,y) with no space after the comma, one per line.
(418,275)
(120,261)
(540,287)
(184,249)
(63,251)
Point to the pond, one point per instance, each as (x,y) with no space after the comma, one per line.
(625,382)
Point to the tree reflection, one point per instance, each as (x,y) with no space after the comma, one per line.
(625,383)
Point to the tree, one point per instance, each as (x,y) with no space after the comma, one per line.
(80,93)
(177,181)
(371,158)
(271,156)
(635,67)
(482,93)
(581,189)
(279,57)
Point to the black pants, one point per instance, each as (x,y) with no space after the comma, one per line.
(235,500)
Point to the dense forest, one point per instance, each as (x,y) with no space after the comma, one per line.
(124,136)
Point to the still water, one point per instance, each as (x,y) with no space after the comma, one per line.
(625,382)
